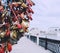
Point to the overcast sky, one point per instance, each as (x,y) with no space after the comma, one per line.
(47,14)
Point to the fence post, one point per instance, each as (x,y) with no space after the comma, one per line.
(46,43)
(29,36)
(37,40)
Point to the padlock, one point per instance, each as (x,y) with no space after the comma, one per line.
(19,26)
(24,5)
(29,16)
(22,15)
(7,33)
(2,34)
(21,30)
(25,25)
(4,13)
(9,47)
(2,48)
(21,1)
(30,10)
(29,2)
(13,34)
(1,8)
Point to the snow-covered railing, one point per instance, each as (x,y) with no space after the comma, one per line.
(48,43)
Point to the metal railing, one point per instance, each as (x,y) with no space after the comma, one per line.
(50,44)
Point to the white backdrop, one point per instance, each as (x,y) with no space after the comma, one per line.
(47,14)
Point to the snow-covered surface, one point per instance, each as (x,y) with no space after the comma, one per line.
(48,36)
(26,46)
(54,37)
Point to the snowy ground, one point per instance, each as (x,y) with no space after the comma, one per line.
(26,46)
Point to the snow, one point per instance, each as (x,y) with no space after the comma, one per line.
(26,46)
